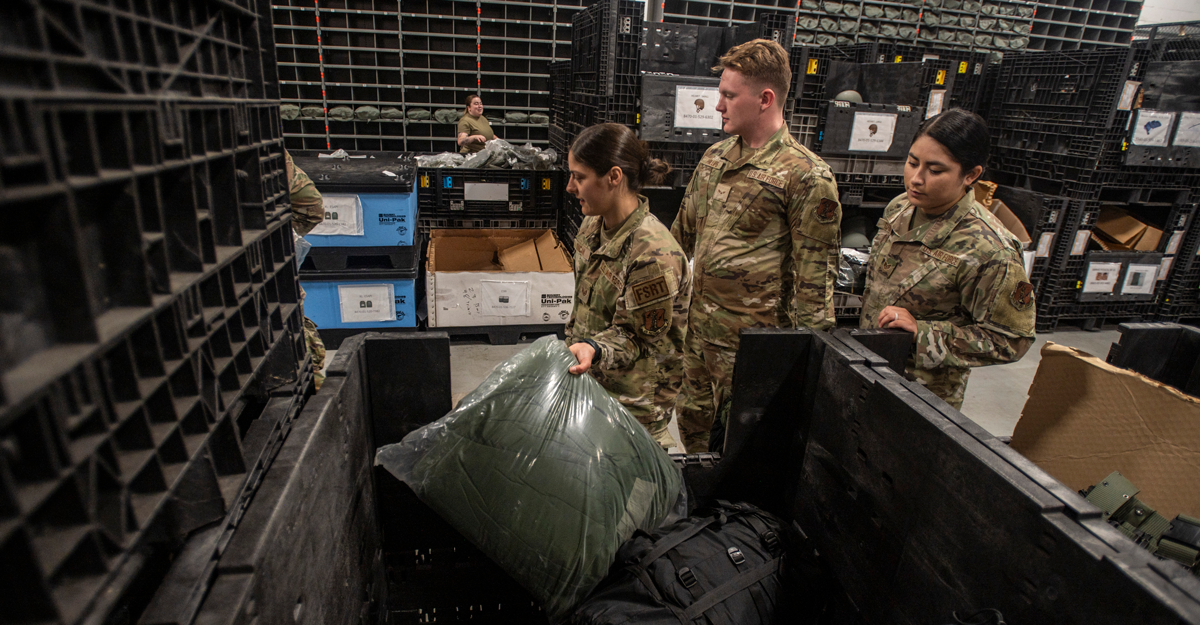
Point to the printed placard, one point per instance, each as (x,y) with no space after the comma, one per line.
(1164,268)
(367,302)
(343,215)
(1127,94)
(872,132)
(1152,128)
(936,98)
(504,298)
(1139,279)
(1101,277)
(1173,244)
(1044,242)
(1188,134)
(1028,255)
(696,107)
(1081,240)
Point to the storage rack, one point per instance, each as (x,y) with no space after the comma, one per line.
(995,25)
(1084,24)
(730,13)
(419,55)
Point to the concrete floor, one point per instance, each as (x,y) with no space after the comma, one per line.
(995,395)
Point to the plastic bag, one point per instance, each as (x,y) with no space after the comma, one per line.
(543,470)
(302,247)
(289,111)
(852,271)
(343,113)
(447,116)
(445,159)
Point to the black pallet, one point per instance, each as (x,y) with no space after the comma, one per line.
(532,194)
(425,224)
(369,259)
(777,27)
(501,335)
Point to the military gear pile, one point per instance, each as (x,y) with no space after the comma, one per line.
(496,154)
(544,471)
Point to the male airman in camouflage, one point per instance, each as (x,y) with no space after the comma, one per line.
(960,276)
(308,210)
(762,220)
(631,301)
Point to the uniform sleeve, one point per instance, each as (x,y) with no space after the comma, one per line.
(644,311)
(1000,301)
(463,126)
(684,228)
(308,209)
(814,218)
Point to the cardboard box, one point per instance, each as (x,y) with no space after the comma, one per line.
(1086,418)
(1117,230)
(984,190)
(1010,221)
(497,278)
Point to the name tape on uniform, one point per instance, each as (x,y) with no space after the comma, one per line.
(945,257)
(766,178)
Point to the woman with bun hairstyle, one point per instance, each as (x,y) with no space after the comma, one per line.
(632,284)
(944,268)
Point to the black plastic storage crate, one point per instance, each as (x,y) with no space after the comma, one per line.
(605,45)
(1165,352)
(1041,215)
(659,110)
(359,171)
(458,193)
(329,534)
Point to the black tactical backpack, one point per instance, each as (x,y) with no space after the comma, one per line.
(723,568)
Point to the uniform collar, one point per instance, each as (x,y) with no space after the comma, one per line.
(612,248)
(934,233)
(765,154)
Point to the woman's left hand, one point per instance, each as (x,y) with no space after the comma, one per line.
(895,317)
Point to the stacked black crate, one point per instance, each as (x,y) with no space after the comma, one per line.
(516,46)
(362,272)
(560,104)
(1101,131)
(964,25)
(152,308)
(439,52)
(723,14)
(1084,24)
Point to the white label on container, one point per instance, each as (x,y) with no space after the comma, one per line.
(485,191)
(1028,256)
(696,107)
(1164,268)
(1081,240)
(936,97)
(1152,128)
(1101,277)
(1044,241)
(501,298)
(1127,94)
(1173,244)
(1139,279)
(343,215)
(872,132)
(1188,134)
(367,302)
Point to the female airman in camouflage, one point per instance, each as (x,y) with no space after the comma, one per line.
(631,278)
(944,268)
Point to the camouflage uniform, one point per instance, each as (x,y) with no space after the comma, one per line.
(308,210)
(631,299)
(961,277)
(764,230)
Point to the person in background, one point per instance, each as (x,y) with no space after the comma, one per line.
(944,268)
(631,278)
(308,210)
(761,220)
(473,129)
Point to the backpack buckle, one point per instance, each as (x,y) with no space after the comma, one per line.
(735,554)
(771,540)
(686,577)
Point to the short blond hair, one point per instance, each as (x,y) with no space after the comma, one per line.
(761,61)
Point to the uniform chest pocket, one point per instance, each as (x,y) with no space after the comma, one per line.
(756,209)
(925,286)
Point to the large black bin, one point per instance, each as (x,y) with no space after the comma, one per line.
(913,511)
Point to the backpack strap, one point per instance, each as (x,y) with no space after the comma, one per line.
(674,539)
(730,588)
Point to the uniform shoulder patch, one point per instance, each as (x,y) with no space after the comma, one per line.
(648,291)
(1021,297)
(827,210)
(654,321)
(766,179)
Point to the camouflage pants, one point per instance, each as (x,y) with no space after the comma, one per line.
(316,349)
(945,382)
(707,387)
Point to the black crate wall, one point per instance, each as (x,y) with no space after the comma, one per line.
(731,13)
(151,301)
(419,55)
(995,25)
(1083,24)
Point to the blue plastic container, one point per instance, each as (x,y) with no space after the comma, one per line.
(322,303)
(388,219)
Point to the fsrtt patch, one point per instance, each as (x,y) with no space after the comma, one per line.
(1022,296)
(827,210)
(654,321)
(649,291)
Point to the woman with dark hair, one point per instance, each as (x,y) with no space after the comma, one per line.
(632,284)
(473,128)
(944,268)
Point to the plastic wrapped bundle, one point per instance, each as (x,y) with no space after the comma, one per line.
(986,23)
(446,116)
(828,24)
(544,471)
(949,19)
(983,41)
(826,40)
(832,8)
(910,15)
(907,32)
(1000,41)
(844,41)
(1006,10)
(867,28)
(1023,28)
(445,159)
(967,21)
(810,5)
(888,30)
(807,23)
(343,113)
(514,117)
(852,270)
(418,114)
(495,121)
(952,4)
(989,9)
(1005,24)
(963,36)
(289,111)
(391,112)
(851,10)
(847,26)
(1025,11)
(545,159)
(945,35)
(928,34)
(805,37)
(972,6)
(366,113)
(932,18)
(892,13)
(539,118)
(312,111)
(1018,43)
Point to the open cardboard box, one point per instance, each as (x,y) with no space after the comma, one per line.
(1118,231)
(1086,418)
(497,277)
